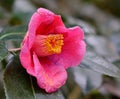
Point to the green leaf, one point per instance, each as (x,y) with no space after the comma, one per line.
(96,63)
(17,82)
(16,32)
(2,94)
(41,94)
(117,63)
(12,35)
(56,95)
(3,50)
(19,85)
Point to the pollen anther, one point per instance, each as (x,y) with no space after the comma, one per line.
(48,44)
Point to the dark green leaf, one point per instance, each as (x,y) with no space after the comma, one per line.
(19,85)
(41,94)
(2,94)
(117,63)
(16,32)
(57,95)
(3,50)
(96,63)
(12,35)
(17,82)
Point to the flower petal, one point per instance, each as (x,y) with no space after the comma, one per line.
(73,50)
(49,76)
(25,58)
(43,22)
(49,26)
(50,70)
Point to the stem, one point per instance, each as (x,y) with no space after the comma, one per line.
(14,49)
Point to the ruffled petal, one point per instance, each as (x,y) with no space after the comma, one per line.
(49,75)
(38,18)
(49,27)
(49,21)
(73,50)
(50,70)
(43,22)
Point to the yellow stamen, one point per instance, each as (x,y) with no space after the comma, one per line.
(48,44)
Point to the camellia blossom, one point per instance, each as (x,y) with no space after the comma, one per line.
(49,48)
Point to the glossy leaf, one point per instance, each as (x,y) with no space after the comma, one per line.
(19,85)
(17,82)
(96,63)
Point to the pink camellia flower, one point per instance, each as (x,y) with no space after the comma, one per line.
(49,48)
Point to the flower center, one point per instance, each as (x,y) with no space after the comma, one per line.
(48,44)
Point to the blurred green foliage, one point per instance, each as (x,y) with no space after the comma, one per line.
(7,4)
